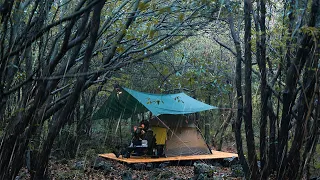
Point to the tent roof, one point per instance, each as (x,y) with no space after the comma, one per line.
(127,102)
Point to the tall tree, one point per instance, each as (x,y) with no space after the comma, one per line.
(297,103)
(247,115)
(55,50)
(238,81)
(263,87)
(289,164)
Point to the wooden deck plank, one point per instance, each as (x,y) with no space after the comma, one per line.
(214,155)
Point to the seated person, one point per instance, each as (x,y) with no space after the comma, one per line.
(139,132)
(138,141)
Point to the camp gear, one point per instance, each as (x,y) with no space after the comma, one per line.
(174,129)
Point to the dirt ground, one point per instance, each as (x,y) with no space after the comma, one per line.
(90,169)
(71,169)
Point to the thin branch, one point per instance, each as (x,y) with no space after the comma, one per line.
(118,66)
(47,28)
(17,87)
(225,46)
(60,89)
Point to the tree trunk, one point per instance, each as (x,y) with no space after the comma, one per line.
(64,116)
(223,129)
(272,138)
(305,108)
(207,124)
(288,98)
(15,141)
(238,121)
(264,89)
(252,158)
(287,95)
(312,139)
(16,138)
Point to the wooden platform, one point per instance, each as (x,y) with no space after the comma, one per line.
(214,155)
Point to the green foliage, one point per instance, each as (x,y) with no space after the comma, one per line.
(68,175)
(181,68)
(237,171)
(314,32)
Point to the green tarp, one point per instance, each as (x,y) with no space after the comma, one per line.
(126,102)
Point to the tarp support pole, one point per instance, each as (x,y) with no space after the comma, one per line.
(198,129)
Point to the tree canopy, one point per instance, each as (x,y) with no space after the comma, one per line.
(259,59)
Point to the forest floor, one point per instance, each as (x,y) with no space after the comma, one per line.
(116,170)
(98,169)
(63,170)
(90,167)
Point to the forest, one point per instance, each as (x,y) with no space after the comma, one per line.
(256,60)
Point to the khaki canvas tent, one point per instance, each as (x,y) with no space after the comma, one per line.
(173,125)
